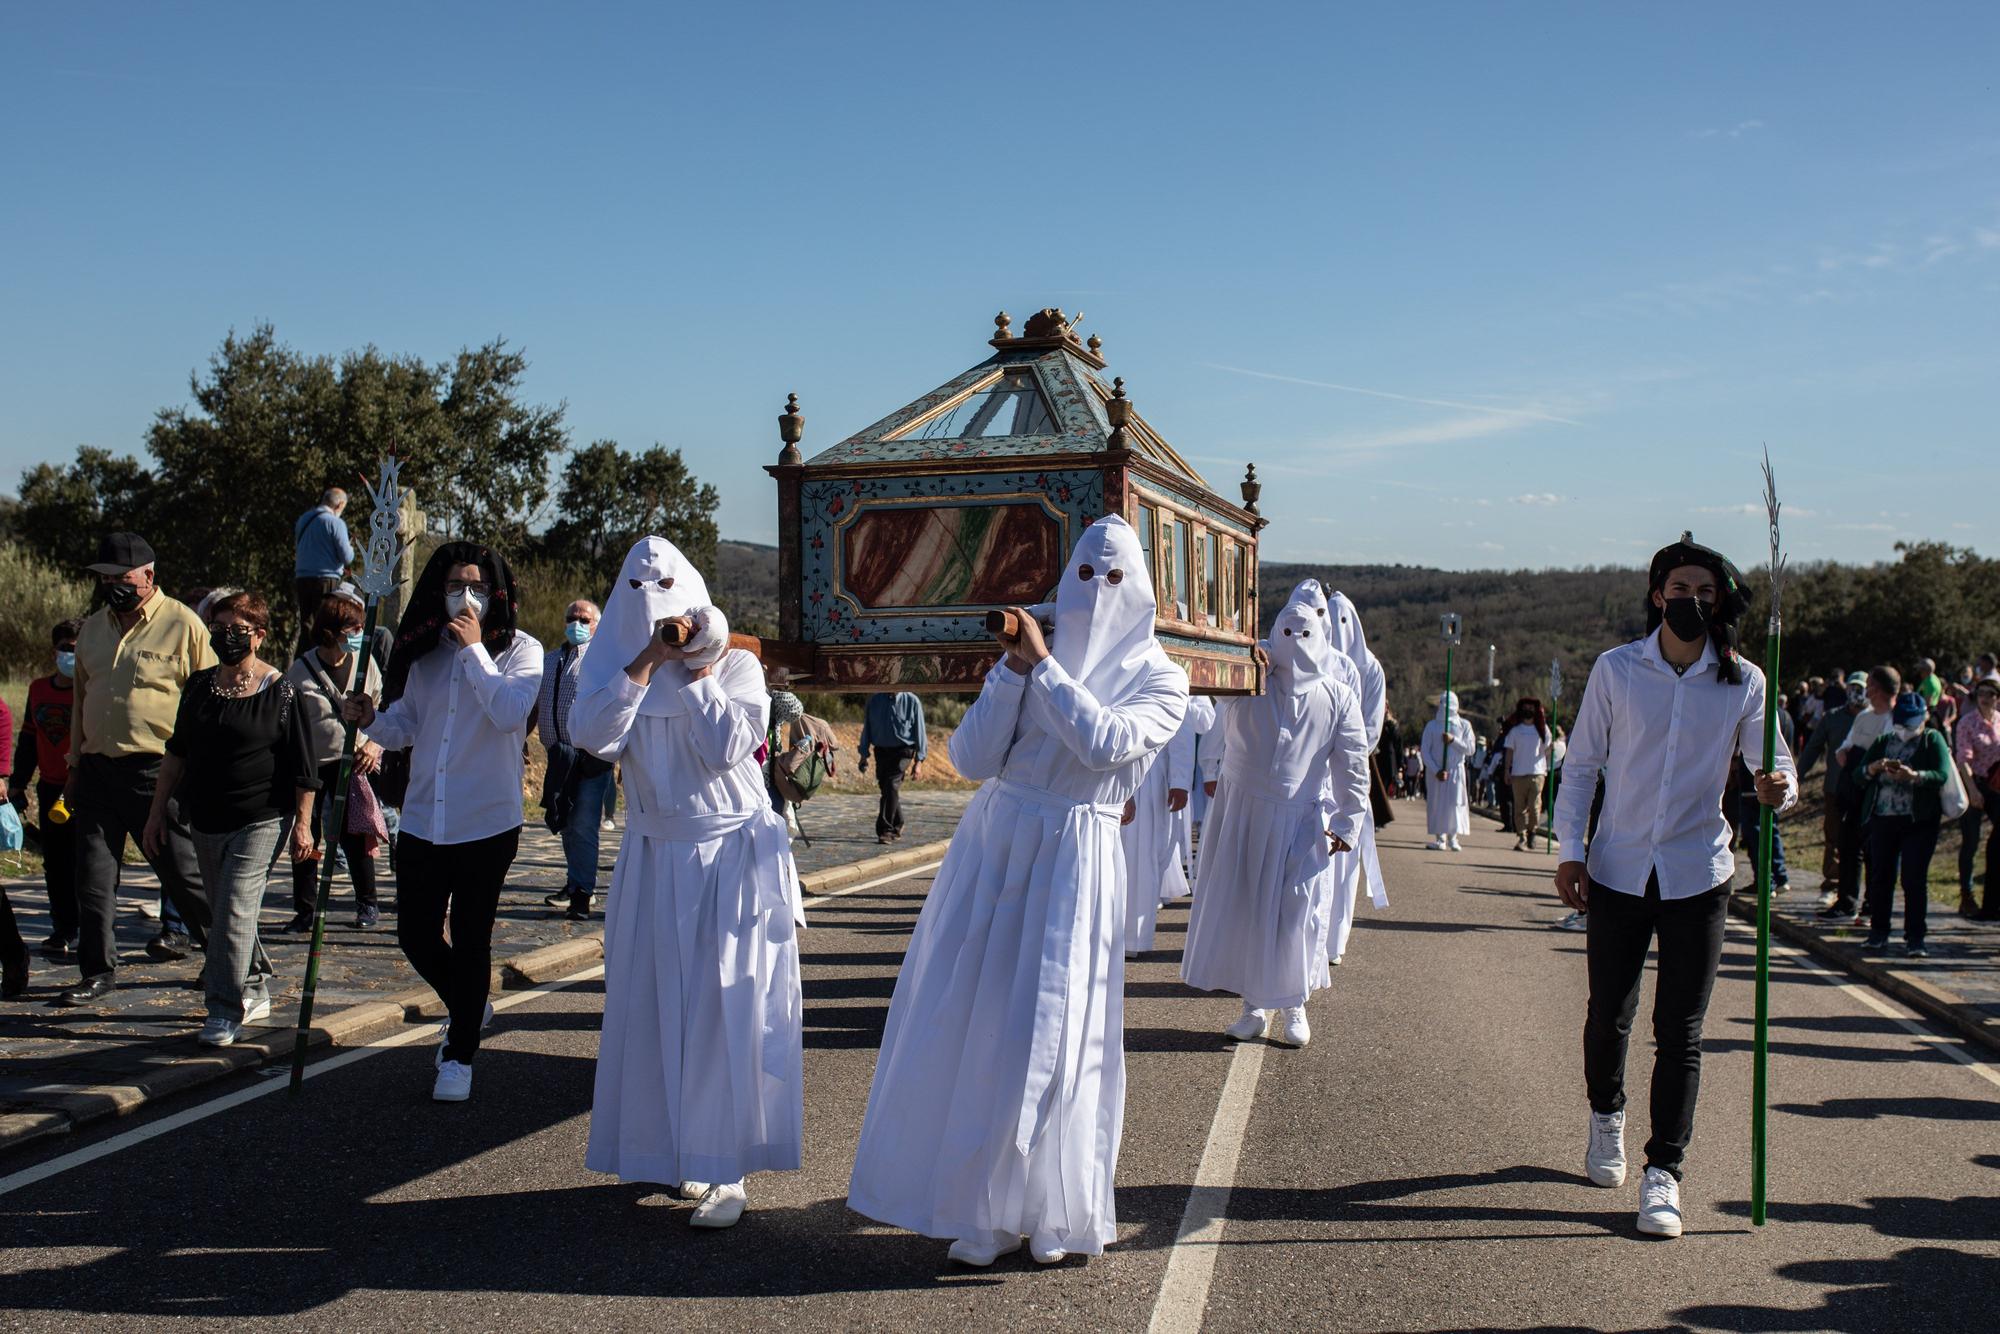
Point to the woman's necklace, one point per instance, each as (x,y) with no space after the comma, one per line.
(243,684)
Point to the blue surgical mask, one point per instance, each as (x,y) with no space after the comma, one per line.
(577,632)
(356,642)
(66,664)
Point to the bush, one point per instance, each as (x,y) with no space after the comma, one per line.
(34,596)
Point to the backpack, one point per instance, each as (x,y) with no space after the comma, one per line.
(802,767)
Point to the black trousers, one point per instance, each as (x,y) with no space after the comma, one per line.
(114,795)
(360,862)
(462,881)
(1851,847)
(58,862)
(1969,826)
(889,763)
(1900,848)
(1622,928)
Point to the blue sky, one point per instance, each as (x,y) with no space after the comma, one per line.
(1474,285)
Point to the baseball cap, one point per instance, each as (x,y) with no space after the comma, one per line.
(1858,680)
(120,552)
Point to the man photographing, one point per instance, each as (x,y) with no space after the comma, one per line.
(1661,719)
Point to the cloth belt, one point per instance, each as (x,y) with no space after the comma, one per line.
(770,841)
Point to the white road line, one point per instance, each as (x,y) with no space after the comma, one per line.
(832,894)
(1183,1298)
(167,1124)
(1953,1047)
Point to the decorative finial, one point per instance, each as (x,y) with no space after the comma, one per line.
(1000,323)
(1252,488)
(791,429)
(1119,411)
(1095,344)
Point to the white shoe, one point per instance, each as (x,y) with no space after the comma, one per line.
(218,1032)
(454,1082)
(1435,845)
(256,1012)
(1296,1032)
(720,1207)
(693,1190)
(1248,1026)
(980,1254)
(444,1034)
(1576,921)
(1660,1204)
(608,824)
(1046,1252)
(1604,1158)
(1454,844)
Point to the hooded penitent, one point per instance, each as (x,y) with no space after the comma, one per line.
(655,582)
(1301,654)
(1344,633)
(426,615)
(1104,611)
(1731,601)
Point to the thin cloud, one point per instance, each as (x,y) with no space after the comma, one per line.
(1537,498)
(1529,413)
(1756,510)
(1736,131)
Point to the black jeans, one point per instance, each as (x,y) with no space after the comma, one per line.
(1969,826)
(889,762)
(114,795)
(462,880)
(58,863)
(1622,927)
(360,862)
(1898,844)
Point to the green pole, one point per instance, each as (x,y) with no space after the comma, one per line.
(336,821)
(1766,833)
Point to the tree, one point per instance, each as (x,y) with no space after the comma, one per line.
(610,499)
(64,510)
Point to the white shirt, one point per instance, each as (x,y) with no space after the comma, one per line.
(1863,732)
(1664,744)
(1527,751)
(465,718)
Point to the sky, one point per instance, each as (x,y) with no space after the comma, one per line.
(1474,285)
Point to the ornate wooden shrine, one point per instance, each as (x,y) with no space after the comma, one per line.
(895,543)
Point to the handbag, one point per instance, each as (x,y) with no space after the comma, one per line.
(1952,796)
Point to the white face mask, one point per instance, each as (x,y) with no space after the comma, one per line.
(1910,733)
(458,602)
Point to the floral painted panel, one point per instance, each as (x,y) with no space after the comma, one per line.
(836,611)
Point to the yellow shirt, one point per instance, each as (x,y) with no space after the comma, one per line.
(128,686)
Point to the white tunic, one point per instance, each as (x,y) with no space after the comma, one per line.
(999,1094)
(1448,808)
(1293,767)
(1182,774)
(700,1072)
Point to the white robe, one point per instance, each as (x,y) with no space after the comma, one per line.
(1146,846)
(700,1069)
(1293,767)
(999,1094)
(1183,774)
(1447,808)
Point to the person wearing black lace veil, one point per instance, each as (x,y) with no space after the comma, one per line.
(461,682)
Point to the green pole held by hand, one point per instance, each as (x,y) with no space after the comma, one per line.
(378,580)
(1766,832)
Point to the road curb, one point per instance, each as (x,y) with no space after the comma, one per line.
(1927,998)
(63,1107)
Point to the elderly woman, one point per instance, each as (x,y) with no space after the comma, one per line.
(335,665)
(240,756)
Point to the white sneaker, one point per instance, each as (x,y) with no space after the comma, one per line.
(1435,845)
(608,824)
(1660,1204)
(1454,844)
(1576,921)
(218,1032)
(721,1206)
(1604,1159)
(256,1012)
(1248,1026)
(693,1190)
(1046,1251)
(1296,1032)
(454,1082)
(980,1254)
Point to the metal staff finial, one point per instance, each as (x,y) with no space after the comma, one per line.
(1771,508)
(384,551)
(1555,679)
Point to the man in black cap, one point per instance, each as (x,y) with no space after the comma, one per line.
(1661,719)
(133,656)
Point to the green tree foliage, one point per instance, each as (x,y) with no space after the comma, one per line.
(611,498)
(65,508)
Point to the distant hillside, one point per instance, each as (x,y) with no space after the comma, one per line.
(746,586)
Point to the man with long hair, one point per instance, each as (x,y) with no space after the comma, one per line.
(1661,720)
(461,682)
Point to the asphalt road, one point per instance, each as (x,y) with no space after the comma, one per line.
(1416,1167)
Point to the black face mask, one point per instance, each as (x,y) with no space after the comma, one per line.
(1687,617)
(232,644)
(121,597)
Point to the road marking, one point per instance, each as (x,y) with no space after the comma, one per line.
(832,894)
(1183,1298)
(168,1124)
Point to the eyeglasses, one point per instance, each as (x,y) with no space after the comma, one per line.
(461,586)
(585,617)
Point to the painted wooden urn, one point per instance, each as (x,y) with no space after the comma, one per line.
(895,543)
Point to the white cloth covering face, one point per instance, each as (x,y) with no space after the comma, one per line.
(700,1069)
(655,582)
(999,1094)
(1294,767)
(1447,803)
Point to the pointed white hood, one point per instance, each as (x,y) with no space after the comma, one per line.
(656,582)
(1301,654)
(1347,633)
(1104,629)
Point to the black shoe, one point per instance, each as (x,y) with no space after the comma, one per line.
(579,905)
(14,975)
(367,917)
(559,899)
(1875,945)
(58,948)
(89,990)
(1837,909)
(168,946)
(1915,950)
(302,920)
